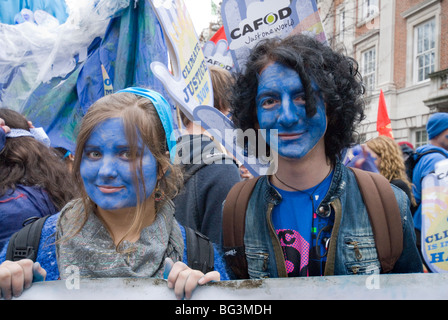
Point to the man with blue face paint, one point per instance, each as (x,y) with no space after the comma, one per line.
(308,218)
(281,106)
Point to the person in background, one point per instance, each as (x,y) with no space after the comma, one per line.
(407,150)
(123,224)
(390,163)
(437,148)
(33,181)
(209,173)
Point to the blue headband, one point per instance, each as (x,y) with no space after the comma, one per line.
(163,110)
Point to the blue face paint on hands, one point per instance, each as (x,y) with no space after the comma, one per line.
(280,105)
(106,167)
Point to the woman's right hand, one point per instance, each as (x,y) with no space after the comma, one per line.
(18,276)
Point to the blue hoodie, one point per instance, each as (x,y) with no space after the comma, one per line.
(425,166)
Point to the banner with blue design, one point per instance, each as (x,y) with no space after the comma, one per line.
(52,76)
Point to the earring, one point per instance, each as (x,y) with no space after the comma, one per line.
(158,195)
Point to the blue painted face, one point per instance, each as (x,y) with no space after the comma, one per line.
(280,105)
(106,167)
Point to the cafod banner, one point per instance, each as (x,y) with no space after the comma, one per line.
(435,218)
(246,22)
(189,84)
(218,54)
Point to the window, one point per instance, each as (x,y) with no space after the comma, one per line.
(425,53)
(342,23)
(423,34)
(421,138)
(369,69)
(369,9)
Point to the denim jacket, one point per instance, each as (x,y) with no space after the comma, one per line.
(351,248)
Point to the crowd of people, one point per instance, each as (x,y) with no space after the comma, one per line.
(121,207)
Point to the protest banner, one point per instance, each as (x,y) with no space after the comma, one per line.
(361,287)
(434,233)
(189,84)
(247,22)
(53,74)
(217,52)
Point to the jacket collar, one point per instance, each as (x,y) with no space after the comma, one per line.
(337,187)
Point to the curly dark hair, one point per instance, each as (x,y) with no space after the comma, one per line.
(336,75)
(28,162)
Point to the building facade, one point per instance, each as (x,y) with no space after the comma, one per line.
(402,49)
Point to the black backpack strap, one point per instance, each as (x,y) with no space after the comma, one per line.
(200,252)
(420,155)
(24,244)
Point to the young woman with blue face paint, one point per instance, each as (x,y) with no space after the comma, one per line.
(123,225)
(308,99)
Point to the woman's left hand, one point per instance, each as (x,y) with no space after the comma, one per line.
(184,280)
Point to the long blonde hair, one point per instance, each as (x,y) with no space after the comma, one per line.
(140,119)
(391,164)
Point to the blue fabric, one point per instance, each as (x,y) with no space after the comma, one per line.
(425,166)
(133,40)
(47,251)
(21,204)
(9,9)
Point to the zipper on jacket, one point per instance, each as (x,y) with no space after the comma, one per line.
(355,245)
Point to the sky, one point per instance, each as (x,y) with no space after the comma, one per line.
(200,12)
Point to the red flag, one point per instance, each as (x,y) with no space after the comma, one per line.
(383,124)
(220,34)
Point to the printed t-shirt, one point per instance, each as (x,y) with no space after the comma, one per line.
(293,223)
